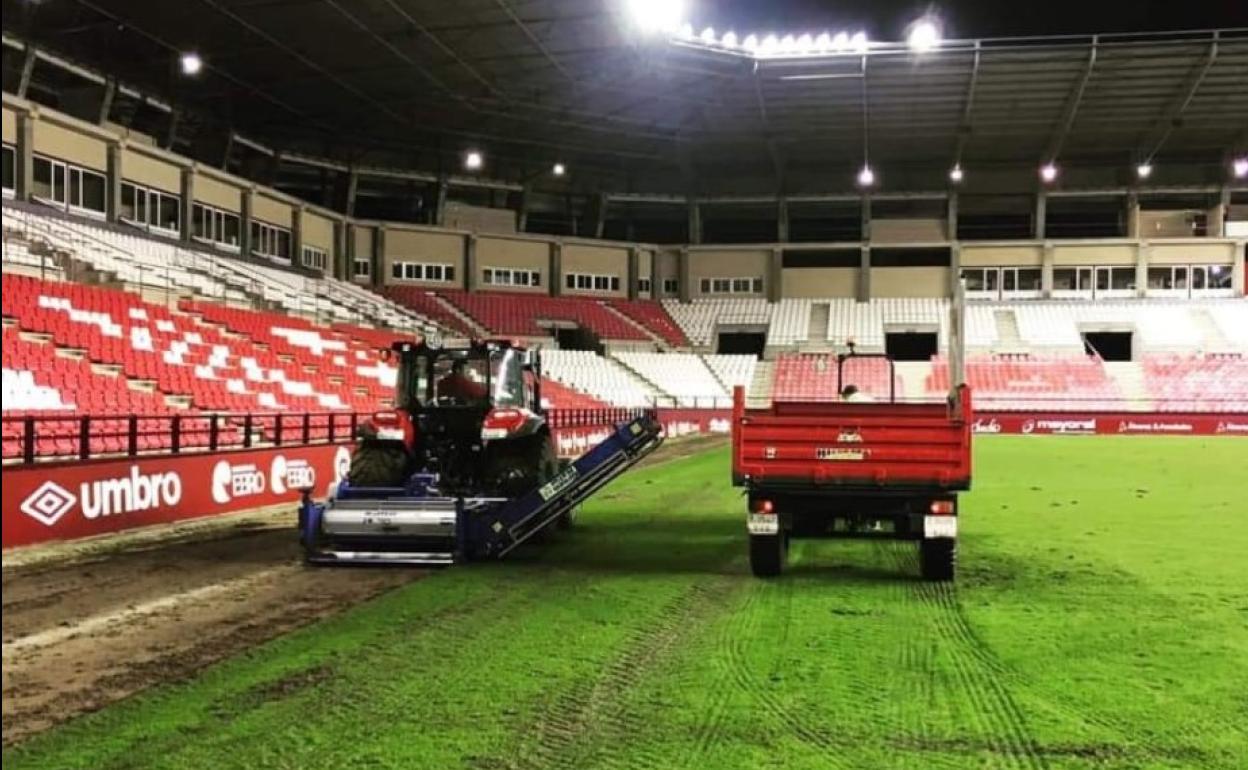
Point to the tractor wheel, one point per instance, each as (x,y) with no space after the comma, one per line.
(377,465)
(938,558)
(768,554)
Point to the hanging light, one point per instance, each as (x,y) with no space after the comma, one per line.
(866,177)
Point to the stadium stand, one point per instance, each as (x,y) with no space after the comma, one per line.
(683,377)
(813,377)
(602,378)
(1186,383)
(732,371)
(510,314)
(654,317)
(699,319)
(1039,382)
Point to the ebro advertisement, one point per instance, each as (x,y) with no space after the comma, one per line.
(63,502)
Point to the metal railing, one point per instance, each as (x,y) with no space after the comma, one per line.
(48,437)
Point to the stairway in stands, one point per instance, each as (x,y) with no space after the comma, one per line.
(913,376)
(758,395)
(1212,338)
(468,321)
(1008,338)
(1129,377)
(817,328)
(656,339)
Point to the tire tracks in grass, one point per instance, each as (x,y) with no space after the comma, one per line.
(977,671)
(591,724)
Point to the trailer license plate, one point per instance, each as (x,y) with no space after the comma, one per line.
(764,524)
(940,526)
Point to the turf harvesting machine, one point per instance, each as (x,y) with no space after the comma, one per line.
(464,466)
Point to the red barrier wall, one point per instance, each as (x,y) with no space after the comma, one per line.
(61,502)
(1112,423)
(573,442)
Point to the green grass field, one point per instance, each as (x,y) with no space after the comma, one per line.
(1100,619)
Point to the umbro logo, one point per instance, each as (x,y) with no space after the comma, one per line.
(48,503)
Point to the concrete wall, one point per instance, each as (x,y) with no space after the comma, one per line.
(1095,254)
(909,281)
(404,245)
(727,263)
(516,254)
(222,195)
(595,260)
(886,231)
(1192,253)
(143,169)
(9,125)
(820,282)
(1001,256)
(364,241)
(271,211)
(55,141)
(1166,224)
(318,231)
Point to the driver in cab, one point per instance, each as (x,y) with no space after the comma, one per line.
(459,386)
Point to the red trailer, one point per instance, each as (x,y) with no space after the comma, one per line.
(856,470)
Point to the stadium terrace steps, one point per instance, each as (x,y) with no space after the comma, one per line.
(466,320)
(912,379)
(1008,338)
(610,308)
(1129,377)
(1212,338)
(758,393)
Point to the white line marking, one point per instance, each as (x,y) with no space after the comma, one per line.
(128,614)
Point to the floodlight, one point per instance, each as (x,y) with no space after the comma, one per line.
(1240,167)
(1048,172)
(866,177)
(473,160)
(859,42)
(840,42)
(708,36)
(1144,170)
(191,63)
(559,169)
(653,16)
(729,40)
(806,42)
(824,42)
(750,43)
(956,175)
(924,36)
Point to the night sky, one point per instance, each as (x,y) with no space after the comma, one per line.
(887,19)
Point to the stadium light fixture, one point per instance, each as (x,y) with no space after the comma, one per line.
(191,63)
(824,42)
(1048,172)
(859,42)
(806,42)
(750,43)
(769,46)
(956,175)
(840,42)
(686,31)
(729,40)
(473,160)
(1144,170)
(708,36)
(788,44)
(1240,167)
(559,169)
(657,16)
(866,177)
(924,36)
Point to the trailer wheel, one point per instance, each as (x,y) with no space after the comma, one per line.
(375,464)
(938,558)
(767,554)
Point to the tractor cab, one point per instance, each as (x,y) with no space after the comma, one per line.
(470,416)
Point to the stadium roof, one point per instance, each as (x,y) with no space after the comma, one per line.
(416,83)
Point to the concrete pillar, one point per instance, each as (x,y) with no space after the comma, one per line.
(171,130)
(1133,214)
(106,100)
(348,250)
(188,203)
(1041,216)
(775,276)
(28,69)
(112,180)
(471,279)
(439,202)
(379,257)
(348,200)
(683,275)
(24,182)
(1141,268)
(634,260)
(296,238)
(227,151)
(695,222)
(600,215)
(556,268)
(1216,227)
(1237,270)
(865,229)
(1046,270)
(782,221)
(340,264)
(522,209)
(955,267)
(244,222)
(864,275)
(951,217)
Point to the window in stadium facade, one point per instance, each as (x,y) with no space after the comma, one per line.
(732,285)
(150,209)
(10,171)
(69,187)
(212,225)
(1072,281)
(270,241)
(588,282)
(502,276)
(998,282)
(422,271)
(671,287)
(315,258)
(643,285)
(362,267)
